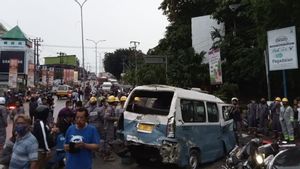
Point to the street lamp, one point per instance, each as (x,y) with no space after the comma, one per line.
(96,44)
(233,8)
(82,39)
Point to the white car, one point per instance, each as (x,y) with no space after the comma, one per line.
(2,101)
(106,86)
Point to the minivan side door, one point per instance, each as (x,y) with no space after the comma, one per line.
(193,129)
(227,126)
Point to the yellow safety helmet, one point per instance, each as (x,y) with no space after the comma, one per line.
(137,99)
(117,99)
(111,99)
(285,100)
(93,99)
(278,99)
(123,98)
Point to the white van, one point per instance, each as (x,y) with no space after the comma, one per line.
(175,125)
(106,86)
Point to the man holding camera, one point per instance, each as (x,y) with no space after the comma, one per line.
(81,140)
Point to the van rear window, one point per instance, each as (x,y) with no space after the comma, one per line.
(62,88)
(150,102)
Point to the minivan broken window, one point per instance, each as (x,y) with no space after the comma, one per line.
(150,102)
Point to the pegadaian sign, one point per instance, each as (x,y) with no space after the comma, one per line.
(282,48)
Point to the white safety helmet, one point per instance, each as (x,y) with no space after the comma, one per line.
(234,98)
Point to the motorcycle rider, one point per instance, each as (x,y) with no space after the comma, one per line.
(286,119)
(18,110)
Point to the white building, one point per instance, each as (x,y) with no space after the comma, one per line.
(14,45)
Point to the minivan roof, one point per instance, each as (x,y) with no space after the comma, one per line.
(180,92)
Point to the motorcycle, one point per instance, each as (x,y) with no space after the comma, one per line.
(288,158)
(10,108)
(254,155)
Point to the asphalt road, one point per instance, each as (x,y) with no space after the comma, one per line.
(117,164)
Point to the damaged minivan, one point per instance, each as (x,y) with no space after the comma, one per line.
(176,126)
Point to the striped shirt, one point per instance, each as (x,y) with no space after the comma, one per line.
(25,150)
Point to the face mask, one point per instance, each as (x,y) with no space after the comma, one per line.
(21,129)
(70,107)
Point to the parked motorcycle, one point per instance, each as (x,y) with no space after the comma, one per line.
(254,155)
(286,159)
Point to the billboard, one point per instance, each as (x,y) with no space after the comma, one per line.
(282,47)
(51,76)
(30,75)
(202,27)
(75,76)
(215,69)
(13,73)
(44,75)
(5,57)
(68,75)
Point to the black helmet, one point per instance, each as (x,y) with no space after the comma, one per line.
(42,112)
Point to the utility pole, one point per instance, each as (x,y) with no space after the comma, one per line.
(36,44)
(135,43)
(61,54)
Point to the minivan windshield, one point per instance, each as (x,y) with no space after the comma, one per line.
(150,102)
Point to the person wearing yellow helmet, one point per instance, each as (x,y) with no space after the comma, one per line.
(94,117)
(286,119)
(274,116)
(111,99)
(109,127)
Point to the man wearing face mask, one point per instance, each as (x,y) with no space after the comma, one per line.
(25,150)
(65,117)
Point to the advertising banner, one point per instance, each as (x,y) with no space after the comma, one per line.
(215,69)
(51,76)
(5,57)
(75,76)
(30,75)
(282,46)
(13,73)
(71,75)
(44,75)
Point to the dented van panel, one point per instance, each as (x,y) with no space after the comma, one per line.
(132,134)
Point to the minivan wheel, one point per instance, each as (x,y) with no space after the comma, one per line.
(194,160)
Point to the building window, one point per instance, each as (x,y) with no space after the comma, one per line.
(5,43)
(19,43)
(12,43)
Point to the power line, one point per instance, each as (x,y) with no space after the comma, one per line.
(87,47)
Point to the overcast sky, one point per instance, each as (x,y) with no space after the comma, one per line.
(57,22)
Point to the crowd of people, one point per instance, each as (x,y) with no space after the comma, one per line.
(277,119)
(84,128)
